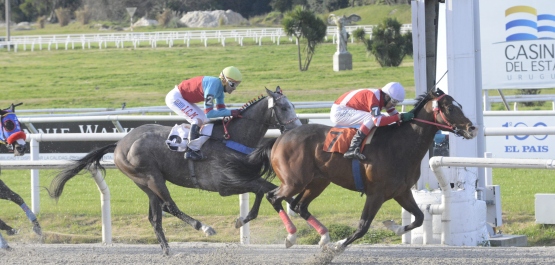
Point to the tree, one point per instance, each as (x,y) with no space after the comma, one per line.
(304,24)
(387,44)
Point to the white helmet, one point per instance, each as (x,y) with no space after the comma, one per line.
(395,90)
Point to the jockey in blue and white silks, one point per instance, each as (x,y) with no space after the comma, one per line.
(208,89)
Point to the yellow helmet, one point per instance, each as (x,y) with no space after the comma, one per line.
(232,74)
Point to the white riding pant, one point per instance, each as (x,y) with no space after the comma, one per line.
(190,111)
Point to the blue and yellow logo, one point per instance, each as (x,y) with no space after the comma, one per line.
(524,23)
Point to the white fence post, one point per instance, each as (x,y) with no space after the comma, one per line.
(35,183)
(243,211)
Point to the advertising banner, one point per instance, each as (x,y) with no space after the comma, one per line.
(520,146)
(518,43)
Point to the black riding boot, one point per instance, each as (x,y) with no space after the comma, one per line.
(194,133)
(354,149)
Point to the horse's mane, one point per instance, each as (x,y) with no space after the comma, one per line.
(252,102)
(420,101)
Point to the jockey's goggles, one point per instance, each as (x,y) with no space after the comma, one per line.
(232,83)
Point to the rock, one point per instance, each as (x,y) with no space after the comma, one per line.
(143,22)
(209,19)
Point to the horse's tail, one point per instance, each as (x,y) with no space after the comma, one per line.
(237,169)
(91,161)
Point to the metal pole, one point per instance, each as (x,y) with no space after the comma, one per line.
(7,19)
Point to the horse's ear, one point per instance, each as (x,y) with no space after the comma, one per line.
(278,90)
(437,92)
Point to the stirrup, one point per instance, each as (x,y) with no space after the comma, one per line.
(193,155)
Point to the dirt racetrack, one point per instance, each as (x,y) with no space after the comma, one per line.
(225,254)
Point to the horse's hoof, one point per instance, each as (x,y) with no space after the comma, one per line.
(391,225)
(208,231)
(290,240)
(239,222)
(6,247)
(36,228)
(335,249)
(324,240)
(12,232)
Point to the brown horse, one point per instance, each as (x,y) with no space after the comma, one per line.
(391,169)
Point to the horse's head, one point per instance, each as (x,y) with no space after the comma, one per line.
(444,112)
(282,110)
(11,133)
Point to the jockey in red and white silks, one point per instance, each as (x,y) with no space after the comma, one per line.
(363,107)
(209,90)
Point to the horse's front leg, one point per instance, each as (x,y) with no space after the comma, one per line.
(9,230)
(406,200)
(374,201)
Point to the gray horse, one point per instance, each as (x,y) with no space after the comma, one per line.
(143,156)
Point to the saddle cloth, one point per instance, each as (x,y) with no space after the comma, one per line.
(338,139)
(178,138)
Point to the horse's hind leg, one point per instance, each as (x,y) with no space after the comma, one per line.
(406,200)
(155,219)
(253,213)
(159,189)
(7,194)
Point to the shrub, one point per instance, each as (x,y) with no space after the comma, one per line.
(64,16)
(530,92)
(388,45)
(84,15)
(165,17)
(359,34)
(41,21)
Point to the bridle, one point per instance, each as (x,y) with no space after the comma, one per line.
(281,124)
(437,111)
(271,105)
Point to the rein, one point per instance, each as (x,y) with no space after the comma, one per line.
(271,105)
(437,111)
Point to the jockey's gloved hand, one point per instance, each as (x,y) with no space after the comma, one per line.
(235,113)
(407,116)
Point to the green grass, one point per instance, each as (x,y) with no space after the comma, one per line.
(106,78)
(75,218)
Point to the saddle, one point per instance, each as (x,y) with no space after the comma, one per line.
(339,139)
(178,138)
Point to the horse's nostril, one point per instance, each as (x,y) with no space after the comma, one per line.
(472,128)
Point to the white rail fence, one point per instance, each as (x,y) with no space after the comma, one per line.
(35,164)
(168,38)
(444,208)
